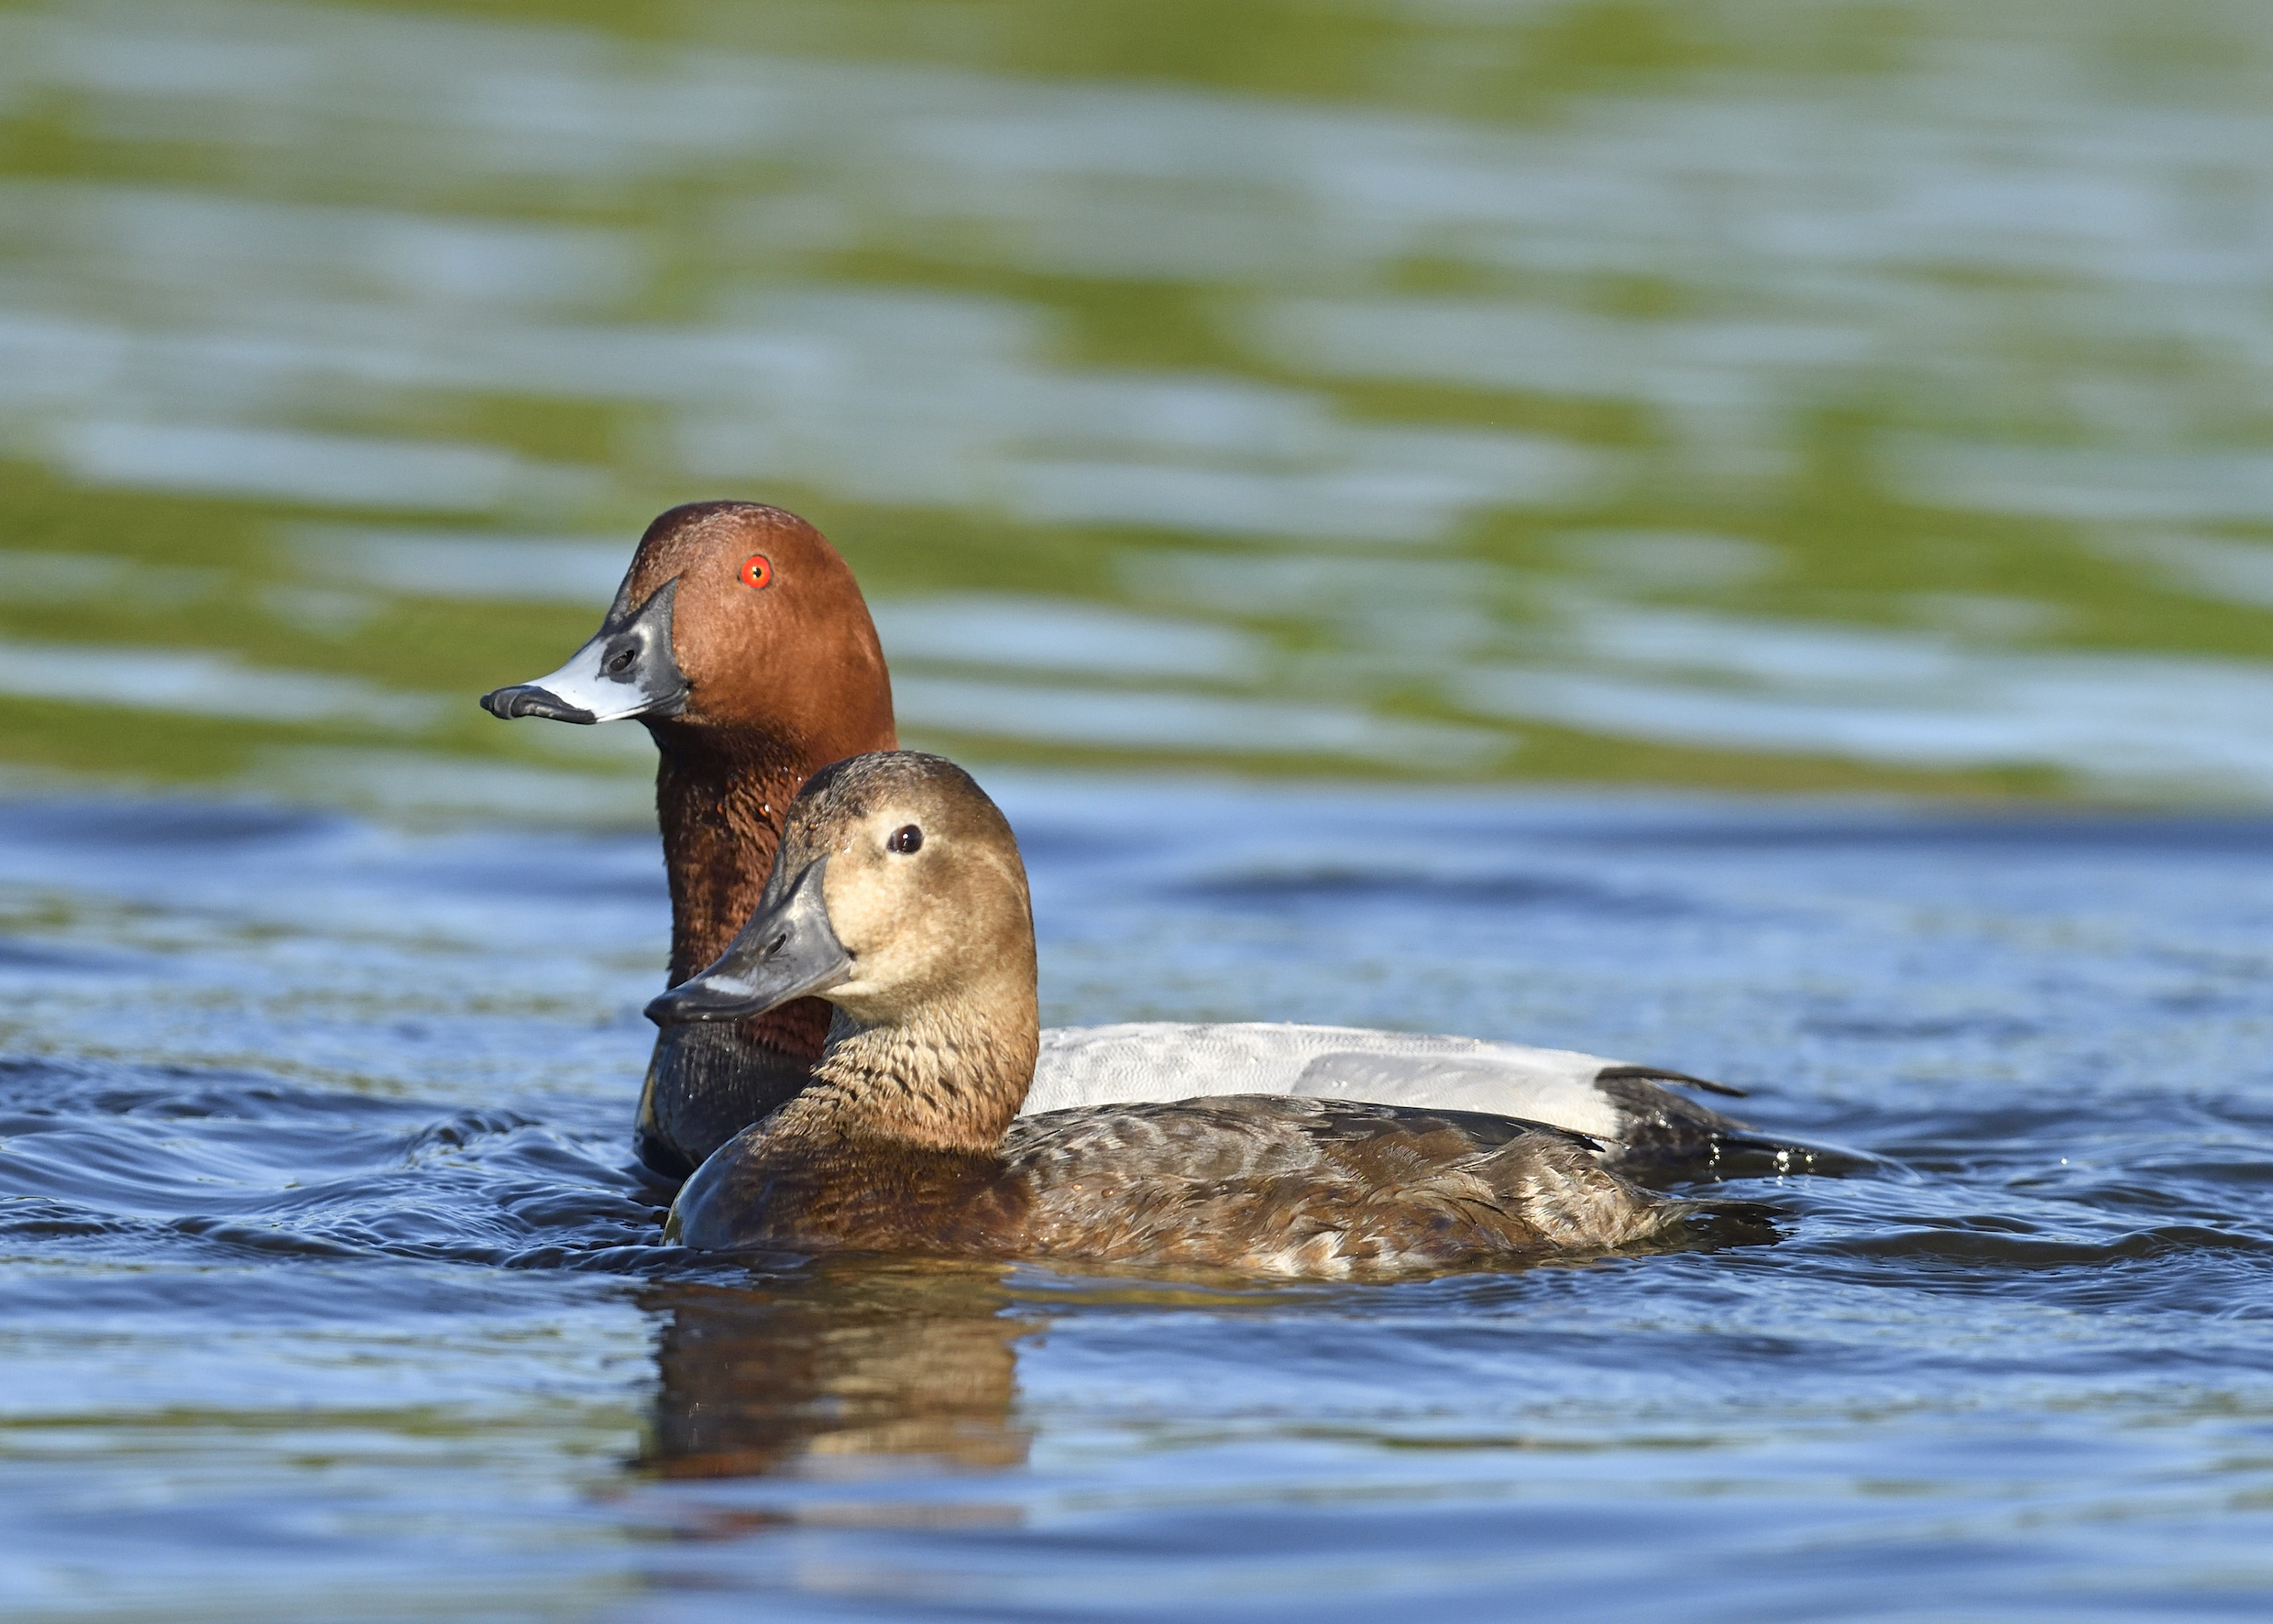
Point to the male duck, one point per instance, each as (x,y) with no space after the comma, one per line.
(739,638)
(898,896)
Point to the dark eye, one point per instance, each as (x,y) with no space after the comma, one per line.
(908,839)
(621,660)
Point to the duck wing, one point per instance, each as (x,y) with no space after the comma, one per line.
(1644,1124)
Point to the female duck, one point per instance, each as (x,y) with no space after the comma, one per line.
(740,640)
(898,896)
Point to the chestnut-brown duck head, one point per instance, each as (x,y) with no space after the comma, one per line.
(733,616)
(740,640)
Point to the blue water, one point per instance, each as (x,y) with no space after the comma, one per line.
(330,1293)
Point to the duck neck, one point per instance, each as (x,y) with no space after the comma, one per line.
(719,796)
(946,1077)
(720,800)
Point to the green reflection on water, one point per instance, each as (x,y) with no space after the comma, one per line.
(1751,394)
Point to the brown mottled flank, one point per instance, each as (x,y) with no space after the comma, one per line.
(908,1141)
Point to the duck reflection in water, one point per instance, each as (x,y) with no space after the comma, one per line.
(847,1357)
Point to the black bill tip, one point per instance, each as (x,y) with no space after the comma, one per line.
(528,699)
(697,1000)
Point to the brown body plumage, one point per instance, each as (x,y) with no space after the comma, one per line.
(1251,1183)
(899,897)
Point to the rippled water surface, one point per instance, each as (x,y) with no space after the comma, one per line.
(1760,392)
(329,1295)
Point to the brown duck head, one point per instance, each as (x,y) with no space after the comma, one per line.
(898,895)
(740,638)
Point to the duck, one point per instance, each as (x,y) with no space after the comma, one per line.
(739,639)
(898,896)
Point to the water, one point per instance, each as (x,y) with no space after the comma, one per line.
(1759,393)
(330,1292)
(1248,421)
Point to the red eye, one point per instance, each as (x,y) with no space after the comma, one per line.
(757,570)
